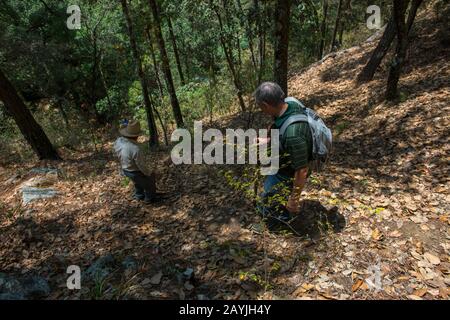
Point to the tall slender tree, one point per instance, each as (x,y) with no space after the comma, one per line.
(245,24)
(226,47)
(30,129)
(260,13)
(345,17)
(378,54)
(154,62)
(384,44)
(333,45)
(148,105)
(400,51)
(323,28)
(165,64)
(175,50)
(282,15)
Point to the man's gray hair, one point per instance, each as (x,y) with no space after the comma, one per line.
(270,93)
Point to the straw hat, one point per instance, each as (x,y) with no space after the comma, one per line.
(132,130)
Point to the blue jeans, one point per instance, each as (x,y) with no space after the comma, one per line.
(277,190)
(144,186)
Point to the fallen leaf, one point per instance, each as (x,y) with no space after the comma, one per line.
(414,297)
(395,234)
(411,206)
(377,235)
(307,286)
(420,292)
(416,255)
(327,296)
(443,292)
(432,258)
(356,285)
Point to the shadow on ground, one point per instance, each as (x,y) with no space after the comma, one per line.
(315,221)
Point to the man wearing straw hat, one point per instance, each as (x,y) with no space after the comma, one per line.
(132,163)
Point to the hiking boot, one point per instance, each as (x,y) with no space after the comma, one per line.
(153,200)
(161,195)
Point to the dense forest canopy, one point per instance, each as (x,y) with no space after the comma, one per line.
(215,52)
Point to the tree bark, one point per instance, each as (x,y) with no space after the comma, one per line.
(323,28)
(175,50)
(282,15)
(229,58)
(30,129)
(378,54)
(345,14)
(336,26)
(384,44)
(148,106)
(246,25)
(163,127)
(155,64)
(160,88)
(166,66)
(400,52)
(261,38)
(105,86)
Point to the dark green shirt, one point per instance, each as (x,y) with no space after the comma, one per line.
(296,142)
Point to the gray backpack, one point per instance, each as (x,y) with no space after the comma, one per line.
(321,136)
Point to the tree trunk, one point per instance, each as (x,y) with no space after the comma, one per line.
(163,127)
(333,46)
(261,38)
(101,119)
(400,52)
(245,24)
(94,72)
(186,59)
(345,14)
(160,88)
(59,105)
(155,64)
(105,86)
(378,54)
(148,106)
(323,28)
(282,14)
(229,58)
(30,129)
(415,4)
(175,50)
(166,66)
(383,46)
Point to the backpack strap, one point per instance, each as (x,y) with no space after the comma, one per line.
(292,99)
(292,119)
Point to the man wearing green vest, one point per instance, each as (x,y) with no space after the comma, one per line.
(282,191)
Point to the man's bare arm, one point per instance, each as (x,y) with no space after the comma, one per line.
(299,183)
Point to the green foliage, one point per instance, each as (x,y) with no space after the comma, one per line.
(92,71)
(113,107)
(125,182)
(341,127)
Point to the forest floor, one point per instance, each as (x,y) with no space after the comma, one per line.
(388,177)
